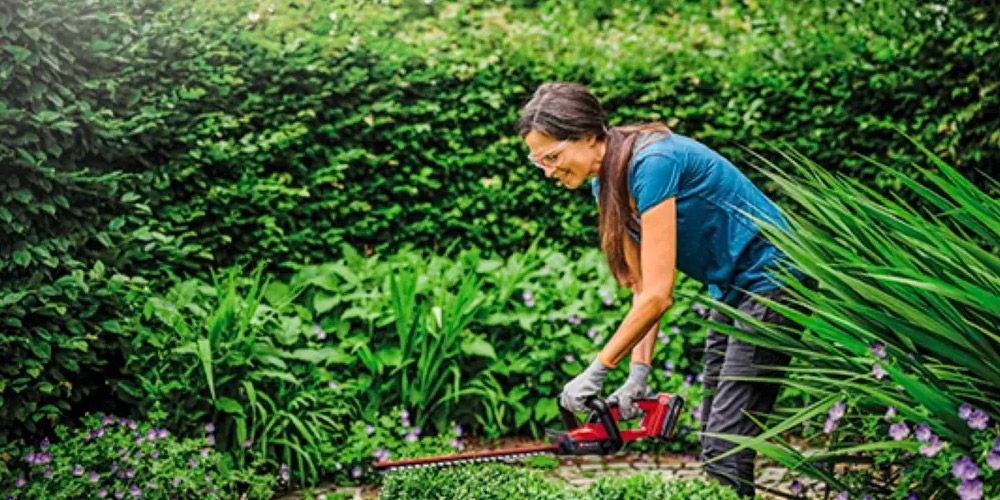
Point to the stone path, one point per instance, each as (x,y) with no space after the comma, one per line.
(581,471)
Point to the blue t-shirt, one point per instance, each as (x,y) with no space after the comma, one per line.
(717,243)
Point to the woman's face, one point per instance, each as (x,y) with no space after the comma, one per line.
(571,162)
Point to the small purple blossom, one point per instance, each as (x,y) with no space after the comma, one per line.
(964,411)
(135,491)
(204,451)
(369,429)
(970,489)
(154,454)
(404,415)
(878,371)
(93,476)
(688,378)
(877,348)
(20,482)
(890,413)
(151,435)
(320,334)
(837,410)
(978,420)
(356,472)
(529,298)
(247,443)
(209,428)
(569,358)
(176,482)
(829,425)
(993,460)
(592,332)
(598,339)
(841,496)
(795,487)
(77,470)
(210,439)
(192,463)
(47,473)
(102,492)
(922,432)
(411,437)
(573,319)
(162,433)
(965,468)
(457,430)
(283,473)
(899,431)
(932,447)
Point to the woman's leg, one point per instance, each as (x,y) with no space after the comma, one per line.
(730,399)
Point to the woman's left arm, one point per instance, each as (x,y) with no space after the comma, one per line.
(658,261)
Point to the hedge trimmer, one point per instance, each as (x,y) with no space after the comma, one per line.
(599,435)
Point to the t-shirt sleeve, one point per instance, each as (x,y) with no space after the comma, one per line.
(654,180)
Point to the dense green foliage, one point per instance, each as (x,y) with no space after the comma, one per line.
(114,456)
(499,482)
(903,338)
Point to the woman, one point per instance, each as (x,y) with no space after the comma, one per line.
(667,202)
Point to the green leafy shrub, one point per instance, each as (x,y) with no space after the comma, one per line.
(498,481)
(110,457)
(901,349)
(239,354)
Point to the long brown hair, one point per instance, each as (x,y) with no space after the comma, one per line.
(568,111)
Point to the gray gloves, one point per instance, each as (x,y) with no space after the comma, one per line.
(586,384)
(634,388)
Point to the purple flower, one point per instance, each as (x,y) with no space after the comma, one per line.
(878,371)
(667,372)
(675,329)
(102,492)
(162,433)
(119,494)
(457,429)
(996,444)
(210,439)
(283,473)
(320,334)
(878,349)
(912,496)
(970,489)
(154,454)
(356,472)
(247,443)
(841,496)
(696,412)
(411,437)
(77,470)
(455,443)
(93,476)
(44,444)
(569,358)
(890,413)
(965,468)
(404,415)
(204,451)
(192,463)
(978,420)
(688,378)
(529,298)
(608,301)
(932,447)
(130,473)
(993,460)
(208,479)
(899,431)
(922,432)
(47,472)
(107,420)
(135,491)
(964,411)
(209,428)
(837,410)
(592,332)
(132,424)
(598,339)
(151,435)
(829,425)
(369,429)
(176,482)
(20,482)
(573,319)
(795,487)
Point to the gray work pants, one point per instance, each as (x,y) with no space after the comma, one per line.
(726,401)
